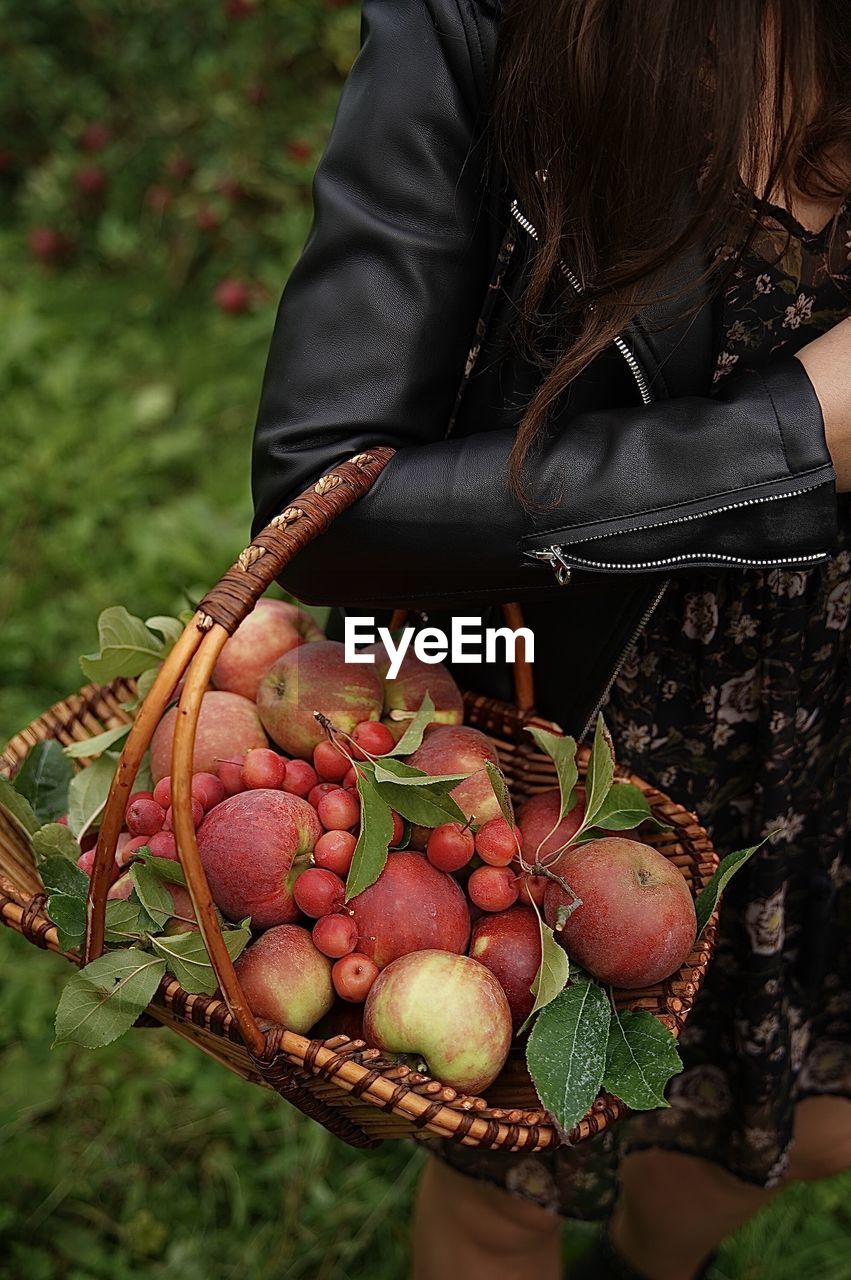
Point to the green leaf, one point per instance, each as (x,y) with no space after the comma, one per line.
(171,629)
(601,770)
(707,899)
(18,807)
(55,838)
(58,875)
(127,647)
(126,921)
(415,777)
(413,735)
(562,751)
(163,868)
(566,1051)
(153,895)
(102,1001)
(87,793)
(95,746)
(551,978)
(69,916)
(641,1057)
(373,843)
(186,957)
(500,790)
(426,806)
(43,779)
(624,808)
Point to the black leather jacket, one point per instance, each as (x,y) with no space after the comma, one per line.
(643,474)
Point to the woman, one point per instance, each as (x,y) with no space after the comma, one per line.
(652,453)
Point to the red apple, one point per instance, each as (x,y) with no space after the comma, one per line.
(509,944)
(315,677)
(539,815)
(446,1009)
(247,846)
(411,907)
(637,923)
(286,979)
(183,920)
(228,726)
(271,629)
(460,749)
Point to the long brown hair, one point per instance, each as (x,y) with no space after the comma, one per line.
(605,111)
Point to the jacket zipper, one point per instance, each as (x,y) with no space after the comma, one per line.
(639,627)
(625,350)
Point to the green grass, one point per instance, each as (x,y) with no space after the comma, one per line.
(124,463)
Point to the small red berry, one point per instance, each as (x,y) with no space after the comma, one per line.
(335,935)
(450,846)
(329,762)
(334,851)
(353,976)
(339,810)
(493,888)
(301,778)
(322,789)
(318,892)
(496,843)
(232,296)
(374,738)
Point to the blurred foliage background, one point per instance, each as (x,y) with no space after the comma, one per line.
(155,170)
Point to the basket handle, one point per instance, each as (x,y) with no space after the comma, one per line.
(524,682)
(219,614)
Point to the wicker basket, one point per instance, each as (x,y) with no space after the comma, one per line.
(352,1090)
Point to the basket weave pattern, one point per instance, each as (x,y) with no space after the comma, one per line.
(356,1092)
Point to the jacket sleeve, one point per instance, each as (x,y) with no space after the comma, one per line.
(369,346)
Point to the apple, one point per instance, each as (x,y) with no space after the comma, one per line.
(315,677)
(538,816)
(271,629)
(460,749)
(411,907)
(248,844)
(285,979)
(509,944)
(637,922)
(183,920)
(406,690)
(228,726)
(446,1009)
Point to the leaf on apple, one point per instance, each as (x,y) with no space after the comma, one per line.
(152,893)
(55,839)
(92,747)
(624,808)
(427,803)
(59,875)
(566,1051)
(562,751)
(601,770)
(43,779)
(390,770)
(500,790)
(187,960)
(551,978)
(413,735)
(88,792)
(641,1057)
(127,647)
(126,921)
(18,808)
(707,899)
(69,916)
(104,999)
(376,831)
(164,868)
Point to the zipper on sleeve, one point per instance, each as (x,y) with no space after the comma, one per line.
(636,632)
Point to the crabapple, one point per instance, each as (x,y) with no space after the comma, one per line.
(335,935)
(230,776)
(496,843)
(162,845)
(493,888)
(125,853)
(263,770)
(329,762)
(144,817)
(321,789)
(300,779)
(334,851)
(318,892)
(339,810)
(351,778)
(209,789)
(373,738)
(353,975)
(398,829)
(197,815)
(162,792)
(450,846)
(533,888)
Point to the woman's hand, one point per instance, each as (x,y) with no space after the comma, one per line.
(828,365)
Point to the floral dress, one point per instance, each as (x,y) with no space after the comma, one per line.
(736,700)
